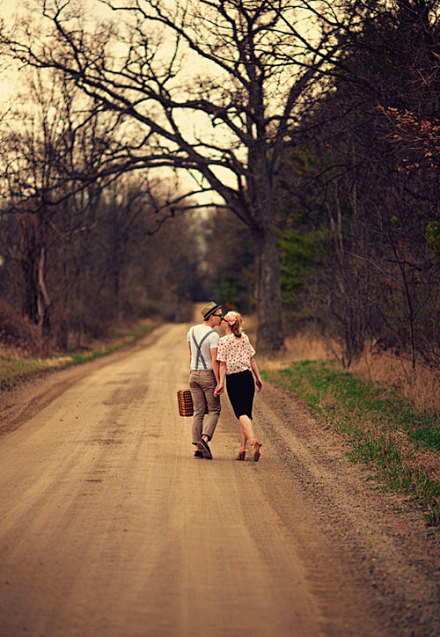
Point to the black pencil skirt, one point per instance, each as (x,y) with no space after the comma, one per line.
(241,390)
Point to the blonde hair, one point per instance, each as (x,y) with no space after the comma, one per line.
(235,322)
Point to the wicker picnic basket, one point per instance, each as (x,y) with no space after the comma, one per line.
(185,402)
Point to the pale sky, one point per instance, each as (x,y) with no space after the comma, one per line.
(7,6)
(10,7)
(10,80)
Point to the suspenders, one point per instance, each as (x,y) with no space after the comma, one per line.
(199,349)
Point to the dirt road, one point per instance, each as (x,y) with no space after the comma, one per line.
(110,528)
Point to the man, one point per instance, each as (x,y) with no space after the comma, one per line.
(204,376)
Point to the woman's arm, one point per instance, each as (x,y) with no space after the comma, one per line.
(221,383)
(258,380)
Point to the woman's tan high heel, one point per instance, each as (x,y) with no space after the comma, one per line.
(256,450)
(241,455)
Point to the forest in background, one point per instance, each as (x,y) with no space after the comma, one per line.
(355,209)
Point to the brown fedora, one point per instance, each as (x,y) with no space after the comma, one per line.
(209,309)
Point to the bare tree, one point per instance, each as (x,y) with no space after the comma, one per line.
(53,146)
(212,87)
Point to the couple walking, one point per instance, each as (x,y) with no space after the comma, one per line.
(215,361)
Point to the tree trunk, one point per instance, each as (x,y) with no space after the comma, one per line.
(270,335)
(29,266)
(43,296)
(36,301)
(30,305)
(261,191)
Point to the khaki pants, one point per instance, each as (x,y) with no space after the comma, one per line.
(202,384)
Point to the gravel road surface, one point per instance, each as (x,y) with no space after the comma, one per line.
(109,527)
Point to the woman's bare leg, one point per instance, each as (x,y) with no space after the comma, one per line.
(243,437)
(247,431)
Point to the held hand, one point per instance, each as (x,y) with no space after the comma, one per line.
(259,383)
(218,390)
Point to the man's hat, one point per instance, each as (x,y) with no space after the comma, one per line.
(209,309)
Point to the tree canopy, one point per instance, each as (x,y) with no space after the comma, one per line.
(212,87)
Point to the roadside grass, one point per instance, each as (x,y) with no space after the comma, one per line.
(397,441)
(13,371)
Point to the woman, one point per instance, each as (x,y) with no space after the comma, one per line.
(236,357)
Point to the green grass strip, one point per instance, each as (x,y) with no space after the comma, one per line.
(383,427)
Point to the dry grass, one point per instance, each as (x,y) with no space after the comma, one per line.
(17,365)
(19,337)
(298,348)
(304,346)
(421,387)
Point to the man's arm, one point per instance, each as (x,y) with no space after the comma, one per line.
(215,364)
